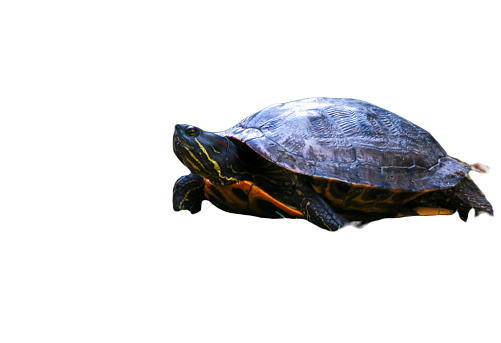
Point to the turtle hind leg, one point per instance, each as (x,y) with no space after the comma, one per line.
(461,198)
(189,193)
(466,196)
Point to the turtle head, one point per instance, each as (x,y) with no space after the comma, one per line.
(206,154)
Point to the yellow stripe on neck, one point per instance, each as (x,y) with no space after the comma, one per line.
(216,165)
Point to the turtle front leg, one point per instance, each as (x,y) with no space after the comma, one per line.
(189,193)
(315,209)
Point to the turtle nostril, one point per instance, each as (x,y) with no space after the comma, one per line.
(179,130)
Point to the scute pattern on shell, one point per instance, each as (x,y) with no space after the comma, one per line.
(351,141)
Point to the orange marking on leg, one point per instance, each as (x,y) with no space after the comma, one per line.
(257,193)
(247,200)
(428,211)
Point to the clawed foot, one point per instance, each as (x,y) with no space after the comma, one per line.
(317,210)
(189,193)
(193,207)
(326,220)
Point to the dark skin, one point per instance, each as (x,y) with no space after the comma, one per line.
(224,162)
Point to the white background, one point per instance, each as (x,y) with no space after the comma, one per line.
(90,248)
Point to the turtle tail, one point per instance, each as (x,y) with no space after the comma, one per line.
(466,196)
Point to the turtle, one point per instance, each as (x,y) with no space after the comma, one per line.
(331,161)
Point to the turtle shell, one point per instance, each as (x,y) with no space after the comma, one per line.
(351,141)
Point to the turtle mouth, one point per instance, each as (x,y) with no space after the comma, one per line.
(181,151)
(179,144)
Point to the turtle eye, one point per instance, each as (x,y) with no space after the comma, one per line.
(191,131)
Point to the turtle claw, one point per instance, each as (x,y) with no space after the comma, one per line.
(316,210)
(188,194)
(189,205)
(480,168)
